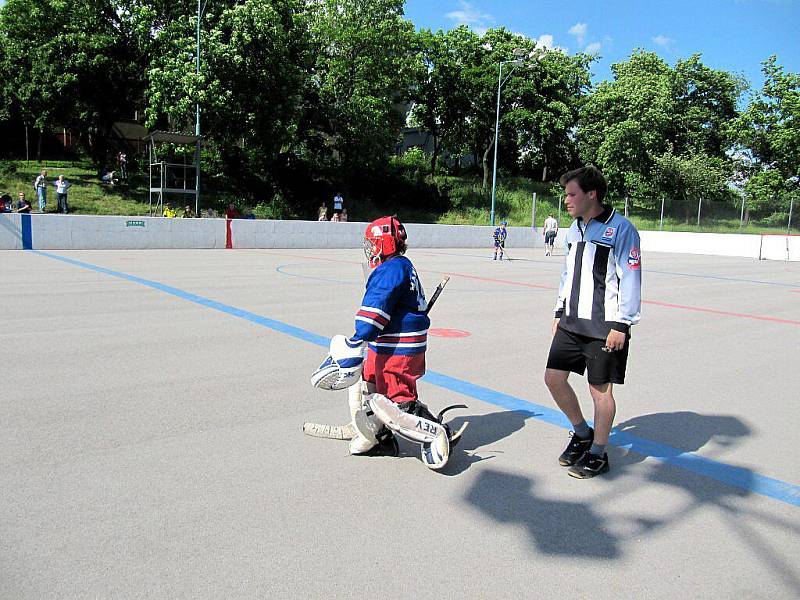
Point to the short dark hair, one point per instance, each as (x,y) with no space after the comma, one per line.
(588,178)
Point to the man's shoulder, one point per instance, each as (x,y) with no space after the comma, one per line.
(621,222)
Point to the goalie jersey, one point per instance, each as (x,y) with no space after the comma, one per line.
(392,315)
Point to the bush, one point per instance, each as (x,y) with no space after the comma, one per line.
(277,208)
(7,168)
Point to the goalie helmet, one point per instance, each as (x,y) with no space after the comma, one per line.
(384,237)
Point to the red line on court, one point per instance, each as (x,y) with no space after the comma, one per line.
(722,312)
(546,287)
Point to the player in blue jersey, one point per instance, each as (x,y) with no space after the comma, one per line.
(499,236)
(392,324)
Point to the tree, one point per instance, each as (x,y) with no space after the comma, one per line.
(364,60)
(70,64)
(441,97)
(770,132)
(651,110)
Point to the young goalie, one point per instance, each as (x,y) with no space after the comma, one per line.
(392,326)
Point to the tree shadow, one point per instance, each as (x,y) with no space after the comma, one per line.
(666,437)
(556,527)
(483,430)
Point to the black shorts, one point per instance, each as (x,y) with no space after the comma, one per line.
(549,237)
(577,353)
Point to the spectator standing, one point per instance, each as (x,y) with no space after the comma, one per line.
(40,185)
(62,189)
(5,203)
(322,213)
(338,204)
(122,162)
(23,206)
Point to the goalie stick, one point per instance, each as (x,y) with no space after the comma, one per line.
(347,431)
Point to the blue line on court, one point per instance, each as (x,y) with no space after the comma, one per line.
(728,474)
(27,234)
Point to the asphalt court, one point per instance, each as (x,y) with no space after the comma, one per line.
(151,441)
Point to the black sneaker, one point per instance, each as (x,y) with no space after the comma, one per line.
(589,465)
(577,447)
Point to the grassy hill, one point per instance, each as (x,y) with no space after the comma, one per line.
(469,205)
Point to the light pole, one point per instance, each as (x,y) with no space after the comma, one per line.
(200,10)
(520,54)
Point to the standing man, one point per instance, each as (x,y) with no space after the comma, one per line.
(598,300)
(40,185)
(550,233)
(338,204)
(62,189)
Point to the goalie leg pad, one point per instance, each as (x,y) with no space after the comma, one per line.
(433,436)
(412,427)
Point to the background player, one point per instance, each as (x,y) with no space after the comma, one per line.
(499,236)
(550,233)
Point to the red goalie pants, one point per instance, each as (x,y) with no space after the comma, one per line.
(394,375)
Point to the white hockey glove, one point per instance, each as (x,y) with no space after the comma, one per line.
(343,365)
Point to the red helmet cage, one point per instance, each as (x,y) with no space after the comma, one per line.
(383,238)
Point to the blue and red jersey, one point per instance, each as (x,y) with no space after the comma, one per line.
(392,315)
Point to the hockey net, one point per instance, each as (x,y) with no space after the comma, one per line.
(780,247)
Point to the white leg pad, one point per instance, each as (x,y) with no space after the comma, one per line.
(366,425)
(416,429)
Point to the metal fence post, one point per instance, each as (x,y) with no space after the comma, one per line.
(661,225)
(741,217)
(789,224)
(533,212)
(699,206)
(626,207)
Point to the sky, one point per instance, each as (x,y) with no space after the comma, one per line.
(732,35)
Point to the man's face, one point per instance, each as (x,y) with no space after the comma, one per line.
(578,202)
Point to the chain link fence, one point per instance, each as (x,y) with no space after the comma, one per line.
(690,214)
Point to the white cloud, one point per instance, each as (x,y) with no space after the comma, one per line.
(470,15)
(546,40)
(663,41)
(593,48)
(579,31)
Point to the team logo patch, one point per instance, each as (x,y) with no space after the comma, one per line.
(634,259)
(609,234)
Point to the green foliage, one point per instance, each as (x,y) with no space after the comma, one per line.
(651,110)
(302,98)
(770,131)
